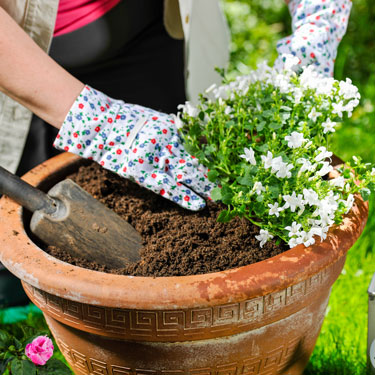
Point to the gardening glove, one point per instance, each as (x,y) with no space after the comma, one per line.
(136,142)
(318,27)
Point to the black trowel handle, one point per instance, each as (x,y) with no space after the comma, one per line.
(25,194)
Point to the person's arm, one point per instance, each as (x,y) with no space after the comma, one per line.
(132,141)
(29,76)
(318,27)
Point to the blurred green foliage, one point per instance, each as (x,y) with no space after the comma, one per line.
(256,25)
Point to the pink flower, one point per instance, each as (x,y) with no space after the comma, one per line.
(40,350)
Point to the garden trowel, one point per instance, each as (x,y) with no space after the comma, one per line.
(70,218)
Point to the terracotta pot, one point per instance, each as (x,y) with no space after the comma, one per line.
(259,319)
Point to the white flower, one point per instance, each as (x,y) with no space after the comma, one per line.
(329,126)
(308,78)
(338,182)
(228,110)
(249,155)
(306,165)
(284,170)
(293,229)
(290,61)
(263,71)
(323,154)
(298,94)
(318,231)
(313,115)
(311,197)
(267,160)
(293,201)
(294,242)
(263,237)
(295,140)
(189,109)
(211,88)
(274,209)
(177,120)
(326,168)
(338,108)
(221,92)
(306,238)
(349,203)
(258,187)
(347,90)
(276,164)
(349,107)
(324,86)
(282,82)
(308,144)
(372,172)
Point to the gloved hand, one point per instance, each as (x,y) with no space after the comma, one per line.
(137,143)
(318,27)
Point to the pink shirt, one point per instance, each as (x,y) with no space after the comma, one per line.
(73,14)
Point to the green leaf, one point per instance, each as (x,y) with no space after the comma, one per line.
(246,180)
(285,108)
(275,125)
(249,126)
(227,198)
(4,364)
(263,148)
(22,367)
(210,149)
(260,126)
(230,124)
(226,195)
(274,190)
(216,194)
(5,339)
(259,198)
(201,115)
(365,193)
(18,345)
(267,114)
(212,175)
(195,130)
(226,216)
(346,173)
(55,367)
(371,186)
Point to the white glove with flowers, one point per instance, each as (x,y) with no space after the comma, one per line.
(137,143)
(318,27)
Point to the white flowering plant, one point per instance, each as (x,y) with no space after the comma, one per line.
(265,139)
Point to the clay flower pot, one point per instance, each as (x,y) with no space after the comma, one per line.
(258,319)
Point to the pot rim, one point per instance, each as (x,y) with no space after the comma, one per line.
(34,266)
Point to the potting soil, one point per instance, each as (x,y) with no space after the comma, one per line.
(176,242)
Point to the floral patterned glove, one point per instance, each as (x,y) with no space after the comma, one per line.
(318,27)
(137,143)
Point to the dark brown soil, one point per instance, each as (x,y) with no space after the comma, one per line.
(177,242)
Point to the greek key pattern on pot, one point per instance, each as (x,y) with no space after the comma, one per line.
(272,362)
(185,324)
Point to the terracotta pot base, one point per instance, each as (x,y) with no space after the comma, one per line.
(283,347)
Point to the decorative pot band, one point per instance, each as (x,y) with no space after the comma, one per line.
(186,324)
